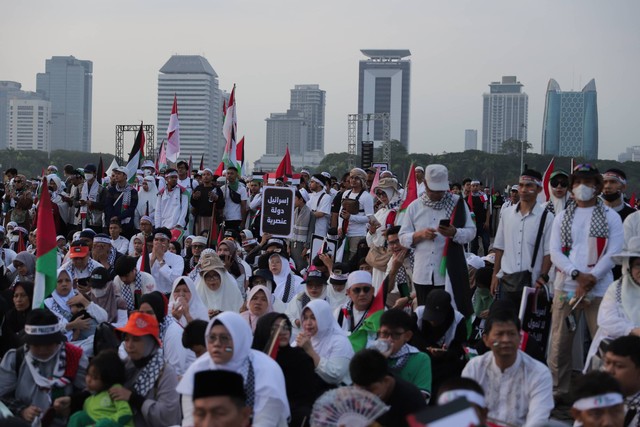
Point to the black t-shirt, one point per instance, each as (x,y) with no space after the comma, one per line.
(405,399)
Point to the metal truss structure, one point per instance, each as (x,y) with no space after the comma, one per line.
(149,133)
(352,135)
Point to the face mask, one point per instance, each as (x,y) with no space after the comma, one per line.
(611,197)
(583,192)
(99,292)
(54,354)
(88,176)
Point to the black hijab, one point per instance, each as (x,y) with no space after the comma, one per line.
(157,302)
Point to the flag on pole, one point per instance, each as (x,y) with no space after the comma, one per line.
(173,134)
(546,180)
(212,238)
(632,200)
(21,247)
(240,158)
(371,322)
(220,170)
(190,165)
(145,264)
(410,193)
(137,153)
(100,172)
(201,162)
(229,129)
(47,260)
(376,180)
(284,168)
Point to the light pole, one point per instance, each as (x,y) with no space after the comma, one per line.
(522,142)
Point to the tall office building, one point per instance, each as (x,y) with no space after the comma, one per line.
(470,139)
(384,86)
(570,124)
(195,84)
(287,129)
(68,83)
(25,118)
(505,114)
(310,100)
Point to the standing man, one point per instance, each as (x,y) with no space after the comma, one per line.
(422,186)
(357,208)
(320,205)
(615,183)
(235,201)
(516,239)
(300,243)
(584,236)
(172,206)
(426,225)
(92,199)
(121,201)
(255,204)
(480,207)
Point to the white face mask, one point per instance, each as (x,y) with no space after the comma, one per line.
(99,292)
(88,176)
(583,192)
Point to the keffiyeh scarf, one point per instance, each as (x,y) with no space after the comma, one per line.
(137,289)
(149,374)
(401,357)
(401,275)
(126,195)
(599,228)
(447,203)
(247,372)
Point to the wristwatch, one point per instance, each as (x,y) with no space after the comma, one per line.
(575,274)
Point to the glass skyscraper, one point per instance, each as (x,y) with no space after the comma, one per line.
(505,111)
(570,126)
(68,83)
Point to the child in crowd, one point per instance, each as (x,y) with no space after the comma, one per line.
(78,311)
(105,371)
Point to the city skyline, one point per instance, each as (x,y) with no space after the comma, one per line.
(453,49)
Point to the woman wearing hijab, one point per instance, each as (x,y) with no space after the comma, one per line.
(147,198)
(337,289)
(619,314)
(303,385)
(325,342)
(59,197)
(185,304)
(170,332)
(240,270)
(387,194)
(258,304)
(13,325)
(217,288)
(288,285)
(150,388)
(25,265)
(229,348)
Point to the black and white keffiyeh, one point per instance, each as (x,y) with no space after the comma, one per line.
(599,227)
(149,374)
(447,203)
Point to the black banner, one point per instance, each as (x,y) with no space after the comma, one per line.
(277,211)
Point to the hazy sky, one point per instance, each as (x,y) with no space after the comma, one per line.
(266,47)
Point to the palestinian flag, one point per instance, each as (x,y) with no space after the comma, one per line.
(229,130)
(371,322)
(220,171)
(284,168)
(241,158)
(173,133)
(411,193)
(546,182)
(137,153)
(47,260)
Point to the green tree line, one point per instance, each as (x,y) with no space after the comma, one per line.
(31,162)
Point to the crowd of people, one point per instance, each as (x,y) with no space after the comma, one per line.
(172,308)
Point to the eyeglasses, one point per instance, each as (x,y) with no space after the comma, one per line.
(386,334)
(364,290)
(559,183)
(380,193)
(223,339)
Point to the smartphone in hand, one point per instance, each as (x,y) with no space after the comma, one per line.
(444,223)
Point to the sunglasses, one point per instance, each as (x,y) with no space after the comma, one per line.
(559,183)
(364,290)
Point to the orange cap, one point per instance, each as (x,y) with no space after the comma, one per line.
(140,324)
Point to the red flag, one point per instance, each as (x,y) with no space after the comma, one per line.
(220,170)
(546,178)
(144,263)
(212,239)
(240,151)
(285,169)
(411,189)
(100,172)
(632,201)
(201,162)
(21,247)
(190,164)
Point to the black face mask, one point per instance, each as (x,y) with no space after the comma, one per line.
(611,197)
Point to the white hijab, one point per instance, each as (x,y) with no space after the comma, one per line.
(280,279)
(630,294)
(150,196)
(330,340)
(56,197)
(269,379)
(226,298)
(337,299)
(197,309)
